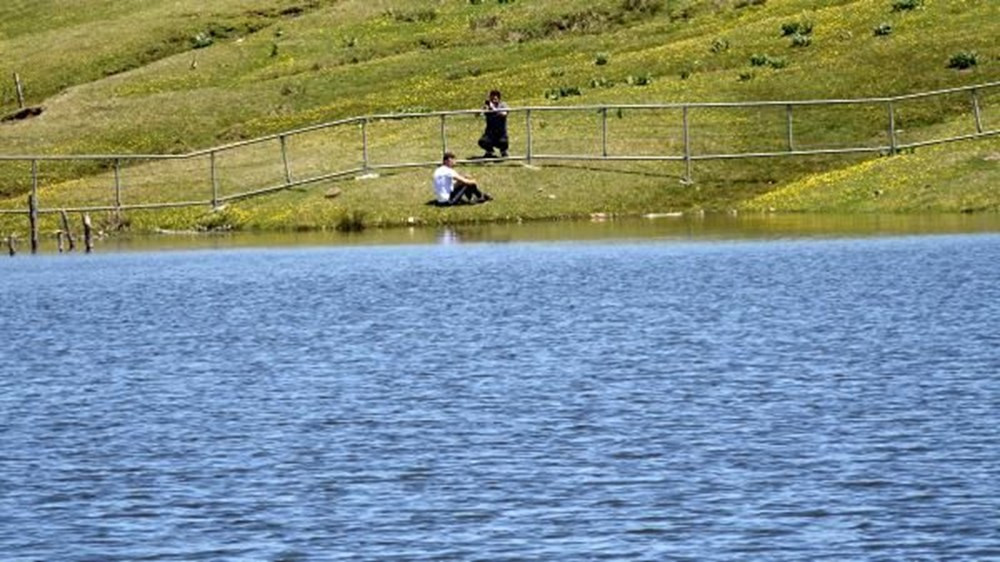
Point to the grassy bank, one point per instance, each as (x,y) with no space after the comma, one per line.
(934,179)
(171,77)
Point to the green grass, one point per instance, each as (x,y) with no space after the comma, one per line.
(171,77)
(931,179)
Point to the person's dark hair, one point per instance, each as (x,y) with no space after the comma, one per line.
(448,155)
(495,93)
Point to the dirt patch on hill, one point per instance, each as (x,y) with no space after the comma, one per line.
(24,113)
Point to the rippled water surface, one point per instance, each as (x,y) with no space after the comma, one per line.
(799,399)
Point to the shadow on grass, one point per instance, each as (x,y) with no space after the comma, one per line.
(592,168)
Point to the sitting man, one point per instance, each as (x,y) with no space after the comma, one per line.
(451,188)
(495,135)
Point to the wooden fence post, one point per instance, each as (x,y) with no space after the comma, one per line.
(88,234)
(118,188)
(215,180)
(364,144)
(284,158)
(60,236)
(33,207)
(20,91)
(444,134)
(892,129)
(604,132)
(788,126)
(66,229)
(527,125)
(33,221)
(687,145)
(976,112)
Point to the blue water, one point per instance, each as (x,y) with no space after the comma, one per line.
(812,399)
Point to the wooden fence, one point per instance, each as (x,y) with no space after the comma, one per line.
(684,149)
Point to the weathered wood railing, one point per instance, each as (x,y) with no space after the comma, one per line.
(686,154)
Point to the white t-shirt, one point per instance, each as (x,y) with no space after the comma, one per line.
(444,182)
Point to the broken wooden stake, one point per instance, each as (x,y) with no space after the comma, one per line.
(20,91)
(67,230)
(33,221)
(88,234)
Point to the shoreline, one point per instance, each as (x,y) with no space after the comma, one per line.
(687,227)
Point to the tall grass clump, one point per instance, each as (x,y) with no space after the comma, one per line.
(767,61)
(351,221)
(562,92)
(648,7)
(719,45)
(799,32)
(906,5)
(801,40)
(644,79)
(412,16)
(796,28)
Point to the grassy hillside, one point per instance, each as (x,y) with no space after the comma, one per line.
(170,77)
(942,178)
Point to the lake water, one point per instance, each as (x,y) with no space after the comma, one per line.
(686,396)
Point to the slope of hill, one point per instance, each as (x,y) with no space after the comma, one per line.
(169,77)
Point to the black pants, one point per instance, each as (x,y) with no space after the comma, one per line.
(492,139)
(462,193)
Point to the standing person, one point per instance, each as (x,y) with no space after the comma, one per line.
(495,135)
(451,187)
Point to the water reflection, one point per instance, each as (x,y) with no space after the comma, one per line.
(677,227)
(448,236)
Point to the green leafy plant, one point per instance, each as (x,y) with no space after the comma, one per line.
(202,40)
(589,20)
(222,219)
(963,60)
(719,45)
(796,28)
(767,60)
(906,5)
(882,30)
(601,59)
(644,79)
(601,82)
(799,40)
(412,16)
(562,92)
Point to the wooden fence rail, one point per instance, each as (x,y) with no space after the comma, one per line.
(791,122)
